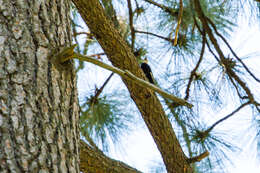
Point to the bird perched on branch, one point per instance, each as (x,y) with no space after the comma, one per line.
(147,70)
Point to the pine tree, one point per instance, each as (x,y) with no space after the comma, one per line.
(40,127)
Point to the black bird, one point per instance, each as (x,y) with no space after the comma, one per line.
(147,70)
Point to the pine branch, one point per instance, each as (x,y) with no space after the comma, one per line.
(236,88)
(68,53)
(229,71)
(232,51)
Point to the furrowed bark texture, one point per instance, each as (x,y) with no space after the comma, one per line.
(38,104)
(150,107)
(97,162)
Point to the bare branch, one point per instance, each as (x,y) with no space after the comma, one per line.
(99,91)
(68,53)
(228,116)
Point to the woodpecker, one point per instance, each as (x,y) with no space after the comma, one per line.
(147,70)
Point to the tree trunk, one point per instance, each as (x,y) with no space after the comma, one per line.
(39,110)
(149,105)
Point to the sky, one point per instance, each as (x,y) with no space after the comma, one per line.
(140,149)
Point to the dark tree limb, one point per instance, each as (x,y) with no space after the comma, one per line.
(92,161)
(181,124)
(121,56)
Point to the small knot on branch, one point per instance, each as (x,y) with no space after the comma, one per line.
(59,56)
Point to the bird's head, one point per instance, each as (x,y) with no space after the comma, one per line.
(145,60)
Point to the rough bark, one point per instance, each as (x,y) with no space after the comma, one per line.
(96,162)
(38,104)
(150,107)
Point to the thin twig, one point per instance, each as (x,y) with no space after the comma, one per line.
(178,23)
(155,35)
(228,116)
(193,72)
(207,43)
(236,88)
